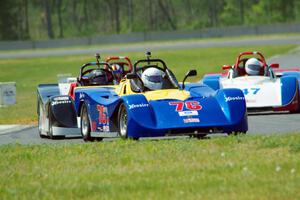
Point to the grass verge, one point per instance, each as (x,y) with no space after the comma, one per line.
(243,167)
(28,73)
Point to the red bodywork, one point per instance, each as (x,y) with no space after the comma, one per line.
(122,60)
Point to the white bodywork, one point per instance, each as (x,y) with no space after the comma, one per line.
(259,91)
(64,87)
(43,126)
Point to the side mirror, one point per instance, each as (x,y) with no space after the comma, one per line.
(226,67)
(192,72)
(131,76)
(189,73)
(274,65)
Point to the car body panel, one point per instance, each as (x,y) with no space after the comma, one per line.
(259,91)
(277,89)
(154,113)
(196,109)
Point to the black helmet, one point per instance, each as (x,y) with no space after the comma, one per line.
(98,77)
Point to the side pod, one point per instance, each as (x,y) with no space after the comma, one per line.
(62,111)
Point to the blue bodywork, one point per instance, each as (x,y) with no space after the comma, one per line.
(212,81)
(221,111)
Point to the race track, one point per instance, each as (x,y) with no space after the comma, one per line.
(267,123)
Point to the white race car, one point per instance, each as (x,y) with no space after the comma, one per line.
(271,89)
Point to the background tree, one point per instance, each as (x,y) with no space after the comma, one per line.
(42,19)
(48,19)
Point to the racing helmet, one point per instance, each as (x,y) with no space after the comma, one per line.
(253,66)
(98,77)
(117,70)
(153,78)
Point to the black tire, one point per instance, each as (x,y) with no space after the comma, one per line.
(98,139)
(50,131)
(122,122)
(85,125)
(236,133)
(198,136)
(40,121)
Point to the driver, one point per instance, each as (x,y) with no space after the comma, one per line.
(153,78)
(253,66)
(98,77)
(118,71)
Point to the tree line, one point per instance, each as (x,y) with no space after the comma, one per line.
(49,19)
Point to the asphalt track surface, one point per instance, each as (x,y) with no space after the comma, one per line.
(143,47)
(263,123)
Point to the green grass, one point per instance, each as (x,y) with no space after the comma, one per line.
(243,167)
(28,73)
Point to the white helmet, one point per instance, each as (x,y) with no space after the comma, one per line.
(253,66)
(153,78)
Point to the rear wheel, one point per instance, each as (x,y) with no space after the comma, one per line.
(85,125)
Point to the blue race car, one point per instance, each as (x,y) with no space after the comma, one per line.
(132,110)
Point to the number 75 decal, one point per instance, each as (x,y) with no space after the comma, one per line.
(251,91)
(190,105)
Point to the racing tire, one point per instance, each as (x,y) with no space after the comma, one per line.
(198,136)
(40,121)
(85,125)
(50,132)
(122,122)
(236,133)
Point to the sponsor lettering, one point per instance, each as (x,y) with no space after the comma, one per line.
(188,113)
(250,100)
(191,120)
(61,98)
(81,95)
(238,98)
(103,118)
(54,103)
(106,128)
(142,105)
(9,93)
(94,126)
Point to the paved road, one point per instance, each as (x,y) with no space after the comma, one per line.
(142,47)
(258,124)
(268,123)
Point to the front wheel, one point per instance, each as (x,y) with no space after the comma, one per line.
(42,133)
(122,122)
(85,125)
(50,131)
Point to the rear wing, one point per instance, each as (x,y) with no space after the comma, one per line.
(45,91)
